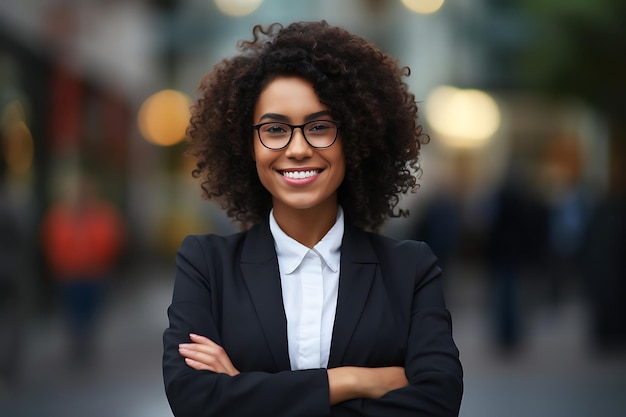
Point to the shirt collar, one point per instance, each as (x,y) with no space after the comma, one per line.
(290,252)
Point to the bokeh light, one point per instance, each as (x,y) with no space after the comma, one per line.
(164,117)
(17,146)
(238,8)
(423,6)
(465,118)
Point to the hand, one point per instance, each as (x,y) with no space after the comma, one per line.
(349,382)
(204,354)
(382,380)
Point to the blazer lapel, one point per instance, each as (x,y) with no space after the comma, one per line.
(259,266)
(358,267)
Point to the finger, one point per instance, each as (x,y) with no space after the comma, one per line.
(198,354)
(196,338)
(199,347)
(199,366)
(203,361)
(215,357)
(210,353)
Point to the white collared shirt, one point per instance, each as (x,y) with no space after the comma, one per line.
(310,284)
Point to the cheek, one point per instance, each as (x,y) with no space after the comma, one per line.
(252,147)
(262,165)
(263,177)
(260,169)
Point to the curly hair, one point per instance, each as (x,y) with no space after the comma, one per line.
(361,86)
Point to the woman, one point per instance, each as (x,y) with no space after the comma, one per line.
(307,138)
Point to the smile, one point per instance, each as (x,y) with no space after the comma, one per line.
(300,174)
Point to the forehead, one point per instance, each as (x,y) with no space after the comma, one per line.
(289,96)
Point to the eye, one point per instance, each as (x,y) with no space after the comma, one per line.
(318,126)
(275,128)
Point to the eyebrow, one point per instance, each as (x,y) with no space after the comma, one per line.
(283,118)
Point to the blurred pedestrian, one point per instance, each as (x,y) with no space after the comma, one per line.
(514,245)
(82,238)
(569,204)
(604,262)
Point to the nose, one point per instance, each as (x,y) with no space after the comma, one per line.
(298,148)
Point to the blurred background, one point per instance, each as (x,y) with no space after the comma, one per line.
(522,192)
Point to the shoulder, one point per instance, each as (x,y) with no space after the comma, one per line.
(400,259)
(212,245)
(391,248)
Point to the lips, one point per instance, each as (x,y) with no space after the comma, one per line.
(301,174)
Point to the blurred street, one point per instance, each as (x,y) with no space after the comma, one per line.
(554,374)
(124,377)
(522,196)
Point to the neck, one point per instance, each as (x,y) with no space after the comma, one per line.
(307,226)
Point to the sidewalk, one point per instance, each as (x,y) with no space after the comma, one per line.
(125,377)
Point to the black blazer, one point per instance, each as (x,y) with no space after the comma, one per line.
(390,312)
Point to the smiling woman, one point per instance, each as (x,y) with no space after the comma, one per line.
(307,138)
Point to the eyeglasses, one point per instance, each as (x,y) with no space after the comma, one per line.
(317,133)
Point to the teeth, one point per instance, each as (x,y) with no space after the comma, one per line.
(300,174)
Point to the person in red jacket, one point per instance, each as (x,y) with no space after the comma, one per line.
(82,238)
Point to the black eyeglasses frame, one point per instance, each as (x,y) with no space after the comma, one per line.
(337,124)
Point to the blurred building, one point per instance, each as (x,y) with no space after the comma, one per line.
(80,79)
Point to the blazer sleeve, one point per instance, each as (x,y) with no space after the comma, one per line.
(432,361)
(193,393)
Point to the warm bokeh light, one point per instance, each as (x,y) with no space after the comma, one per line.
(17,146)
(423,6)
(164,117)
(464,118)
(238,8)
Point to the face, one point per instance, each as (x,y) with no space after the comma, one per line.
(299,177)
